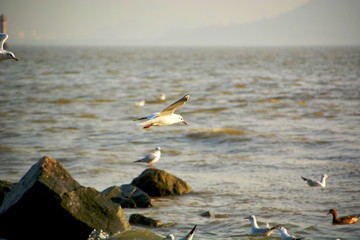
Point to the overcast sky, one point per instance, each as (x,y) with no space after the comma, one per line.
(123,22)
(126,21)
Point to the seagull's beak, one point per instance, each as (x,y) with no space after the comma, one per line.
(16,59)
(246,218)
(184,122)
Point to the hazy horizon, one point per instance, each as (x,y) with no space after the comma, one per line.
(147,22)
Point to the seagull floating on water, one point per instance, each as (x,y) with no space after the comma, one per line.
(5,55)
(286,236)
(166,116)
(151,157)
(256,230)
(343,220)
(312,183)
(187,237)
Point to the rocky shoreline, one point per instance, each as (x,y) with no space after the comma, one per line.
(49,203)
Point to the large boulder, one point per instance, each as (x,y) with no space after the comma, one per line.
(128,196)
(5,187)
(158,183)
(48,203)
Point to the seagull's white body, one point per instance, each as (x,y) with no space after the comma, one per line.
(5,55)
(189,236)
(256,230)
(152,157)
(285,235)
(166,116)
(312,183)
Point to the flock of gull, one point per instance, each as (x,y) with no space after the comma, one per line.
(168,117)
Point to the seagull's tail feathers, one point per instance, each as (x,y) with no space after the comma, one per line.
(193,230)
(190,234)
(305,179)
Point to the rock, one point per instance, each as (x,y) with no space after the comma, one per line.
(136,234)
(5,187)
(128,196)
(139,219)
(49,203)
(158,183)
(209,214)
(140,197)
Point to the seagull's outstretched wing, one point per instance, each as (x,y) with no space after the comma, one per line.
(170,109)
(148,158)
(3,38)
(152,116)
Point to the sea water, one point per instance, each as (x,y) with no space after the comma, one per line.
(258,119)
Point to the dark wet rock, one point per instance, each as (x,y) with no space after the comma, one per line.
(158,183)
(209,214)
(141,198)
(49,202)
(136,234)
(138,219)
(128,196)
(5,187)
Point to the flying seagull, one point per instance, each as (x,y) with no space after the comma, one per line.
(5,55)
(166,116)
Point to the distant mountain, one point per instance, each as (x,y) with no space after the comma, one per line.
(319,22)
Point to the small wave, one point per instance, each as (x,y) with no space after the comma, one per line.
(240,85)
(72,72)
(88,115)
(101,101)
(63,101)
(214,132)
(270,100)
(212,110)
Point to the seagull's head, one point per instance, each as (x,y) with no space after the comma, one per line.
(180,119)
(10,55)
(282,229)
(157,149)
(251,217)
(325,176)
(169,237)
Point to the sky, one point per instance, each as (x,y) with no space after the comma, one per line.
(124,22)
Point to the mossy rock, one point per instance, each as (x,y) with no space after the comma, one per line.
(158,183)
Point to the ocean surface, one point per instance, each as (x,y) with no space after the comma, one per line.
(258,119)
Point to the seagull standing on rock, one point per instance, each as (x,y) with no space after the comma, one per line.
(151,157)
(312,183)
(166,116)
(5,55)
(256,230)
